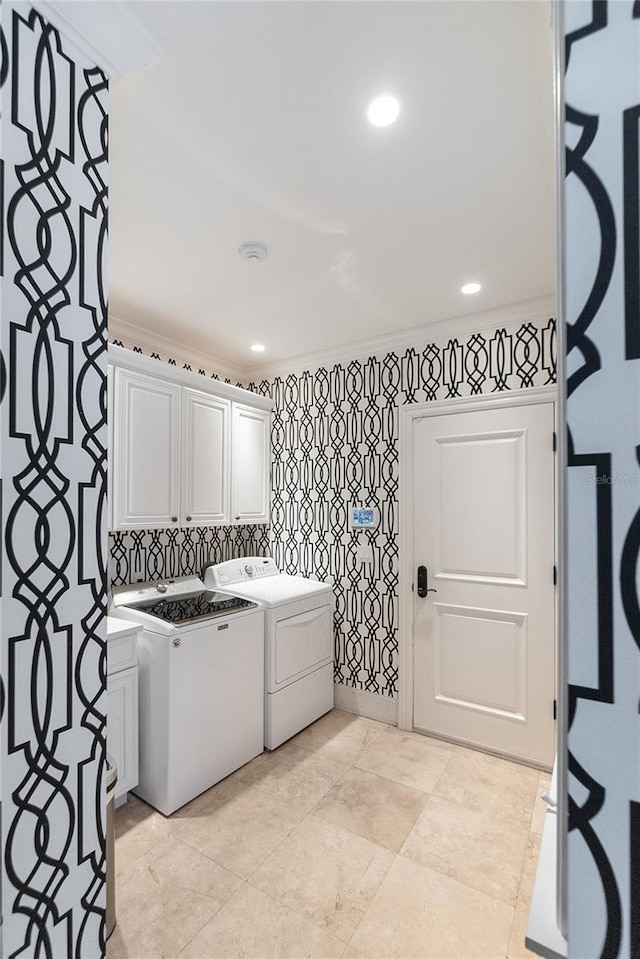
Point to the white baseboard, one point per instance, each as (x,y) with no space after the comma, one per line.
(362,703)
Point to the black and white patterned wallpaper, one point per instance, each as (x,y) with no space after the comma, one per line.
(335,442)
(601,277)
(53,447)
(137,555)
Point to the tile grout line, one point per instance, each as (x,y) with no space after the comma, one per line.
(380,733)
(308,918)
(530,834)
(297,912)
(461,805)
(199,930)
(371,901)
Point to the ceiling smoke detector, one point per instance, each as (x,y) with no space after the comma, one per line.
(253,252)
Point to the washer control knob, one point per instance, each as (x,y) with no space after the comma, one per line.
(248,570)
(161,587)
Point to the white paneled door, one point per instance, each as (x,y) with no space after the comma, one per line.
(484,641)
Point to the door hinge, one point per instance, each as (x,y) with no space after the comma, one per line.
(555,709)
(555,575)
(555,441)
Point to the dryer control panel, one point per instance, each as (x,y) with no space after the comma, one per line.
(240,570)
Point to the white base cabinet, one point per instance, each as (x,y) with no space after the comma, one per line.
(122,703)
(122,727)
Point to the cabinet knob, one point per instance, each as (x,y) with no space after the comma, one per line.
(188,519)
(174,519)
(238,516)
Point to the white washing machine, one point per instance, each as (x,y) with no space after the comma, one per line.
(201,686)
(298,640)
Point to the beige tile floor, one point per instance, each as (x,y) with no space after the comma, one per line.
(352,840)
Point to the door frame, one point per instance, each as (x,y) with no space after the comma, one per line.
(407,414)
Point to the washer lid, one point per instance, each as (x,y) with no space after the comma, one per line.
(165,605)
(178,587)
(205,605)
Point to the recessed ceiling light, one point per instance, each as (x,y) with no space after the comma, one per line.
(383,109)
(258,348)
(470,288)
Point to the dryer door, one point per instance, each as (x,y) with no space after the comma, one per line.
(299,645)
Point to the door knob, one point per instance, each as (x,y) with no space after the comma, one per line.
(423,582)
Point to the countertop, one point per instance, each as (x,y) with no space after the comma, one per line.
(117,628)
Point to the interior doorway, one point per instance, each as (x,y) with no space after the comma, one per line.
(477,573)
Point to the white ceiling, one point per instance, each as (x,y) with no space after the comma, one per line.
(251,127)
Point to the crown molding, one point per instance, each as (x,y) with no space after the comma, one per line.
(168,348)
(417,337)
(125,359)
(109,34)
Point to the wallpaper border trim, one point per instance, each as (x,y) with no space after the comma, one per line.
(409,413)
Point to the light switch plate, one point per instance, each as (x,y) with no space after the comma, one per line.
(364,554)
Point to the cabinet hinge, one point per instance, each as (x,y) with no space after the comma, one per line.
(555,575)
(555,709)
(555,441)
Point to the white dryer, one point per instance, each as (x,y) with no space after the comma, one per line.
(298,640)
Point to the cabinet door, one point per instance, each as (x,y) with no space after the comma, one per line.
(122,727)
(146,438)
(206,426)
(250,465)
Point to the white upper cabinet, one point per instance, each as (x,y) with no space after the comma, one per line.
(250,465)
(181,455)
(145,441)
(206,426)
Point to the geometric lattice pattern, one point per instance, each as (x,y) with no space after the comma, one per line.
(601,196)
(53,183)
(138,555)
(334,443)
